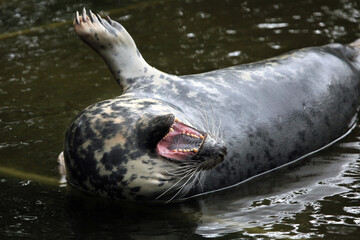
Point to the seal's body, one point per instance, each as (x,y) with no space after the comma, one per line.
(168,137)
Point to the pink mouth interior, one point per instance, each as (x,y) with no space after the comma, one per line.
(182,142)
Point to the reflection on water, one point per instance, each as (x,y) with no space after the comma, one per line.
(48,76)
(293,202)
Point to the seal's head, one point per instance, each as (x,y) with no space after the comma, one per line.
(136,148)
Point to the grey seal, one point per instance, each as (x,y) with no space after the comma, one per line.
(170,137)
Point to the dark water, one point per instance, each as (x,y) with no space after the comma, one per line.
(47,75)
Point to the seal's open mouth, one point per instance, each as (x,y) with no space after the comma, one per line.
(181,142)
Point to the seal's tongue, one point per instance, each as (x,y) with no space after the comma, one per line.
(182,142)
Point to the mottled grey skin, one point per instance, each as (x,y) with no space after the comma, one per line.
(266,114)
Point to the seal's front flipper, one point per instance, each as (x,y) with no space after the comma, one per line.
(115,45)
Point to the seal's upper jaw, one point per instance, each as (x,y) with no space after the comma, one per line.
(181,142)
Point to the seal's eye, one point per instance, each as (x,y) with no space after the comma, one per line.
(181,142)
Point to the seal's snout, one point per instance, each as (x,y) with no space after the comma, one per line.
(212,153)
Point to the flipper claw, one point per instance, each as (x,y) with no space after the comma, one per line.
(91,16)
(77,18)
(84,14)
(99,17)
(109,19)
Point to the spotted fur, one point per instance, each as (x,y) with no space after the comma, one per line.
(266,114)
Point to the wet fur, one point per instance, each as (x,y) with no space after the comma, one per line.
(267,114)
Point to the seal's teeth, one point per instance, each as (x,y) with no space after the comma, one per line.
(84,14)
(185,150)
(77,18)
(176,120)
(171,129)
(192,135)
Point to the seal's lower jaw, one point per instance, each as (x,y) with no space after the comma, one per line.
(182,142)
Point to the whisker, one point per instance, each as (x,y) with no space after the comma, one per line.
(167,190)
(196,178)
(218,132)
(194,172)
(190,173)
(179,173)
(199,183)
(187,166)
(206,120)
(213,122)
(190,166)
